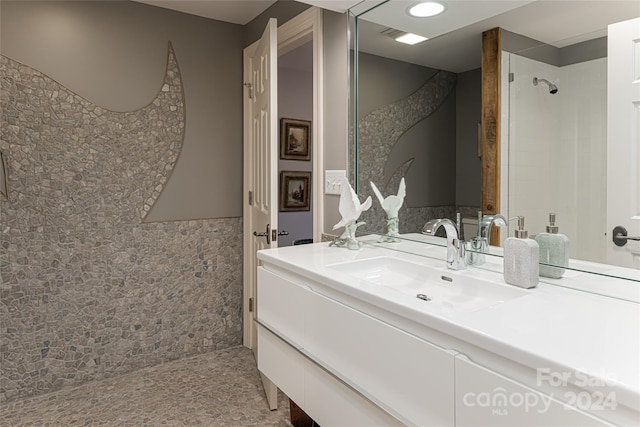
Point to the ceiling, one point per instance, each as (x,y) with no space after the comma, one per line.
(234,11)
(238,11)
(455,36)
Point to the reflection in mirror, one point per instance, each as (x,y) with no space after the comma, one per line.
(418,111)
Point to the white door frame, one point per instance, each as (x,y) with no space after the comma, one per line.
(305,27)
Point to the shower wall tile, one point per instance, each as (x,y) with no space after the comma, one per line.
(88,289)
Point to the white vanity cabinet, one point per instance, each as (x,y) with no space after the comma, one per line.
(356,352)
(487,398)
(344,367)
(409,376)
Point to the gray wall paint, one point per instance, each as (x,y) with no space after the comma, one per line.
(88,290)
(108,293)
(150,287)
(445,171)
(113,53)
(282,10)
(336,104)
(468,112)
(383,81)
(431,142)
(295,101)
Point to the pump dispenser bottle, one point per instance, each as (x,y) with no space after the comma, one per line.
(521,258)
(554,250)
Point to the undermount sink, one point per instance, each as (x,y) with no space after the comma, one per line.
(456,291)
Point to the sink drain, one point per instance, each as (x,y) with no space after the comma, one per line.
(423,297)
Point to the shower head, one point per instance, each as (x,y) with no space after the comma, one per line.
(553,89)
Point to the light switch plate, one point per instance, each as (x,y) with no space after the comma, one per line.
(333,181)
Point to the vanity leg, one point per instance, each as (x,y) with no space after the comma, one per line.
(271,391)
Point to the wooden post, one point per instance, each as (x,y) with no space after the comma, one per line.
(490,124)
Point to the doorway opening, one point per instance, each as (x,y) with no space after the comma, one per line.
(295,106)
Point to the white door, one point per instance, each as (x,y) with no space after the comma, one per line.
(260,175)
(623,142)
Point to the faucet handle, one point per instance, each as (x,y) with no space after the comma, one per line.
(457,260)
(475,251)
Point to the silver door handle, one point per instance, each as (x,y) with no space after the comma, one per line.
(283,233)
(620,237)
(266,234)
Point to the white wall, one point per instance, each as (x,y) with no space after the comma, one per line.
(557,151)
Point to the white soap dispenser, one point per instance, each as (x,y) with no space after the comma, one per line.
(554,250)
(521,258)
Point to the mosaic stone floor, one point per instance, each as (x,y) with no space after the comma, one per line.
(221,388)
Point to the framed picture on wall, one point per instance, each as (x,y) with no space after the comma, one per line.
(295,139)
(294,191)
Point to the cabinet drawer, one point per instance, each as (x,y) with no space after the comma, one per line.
(486,398)
(410,377)
(282,364)
(281,305)
(331,403)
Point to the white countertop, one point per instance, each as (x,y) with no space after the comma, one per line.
(625,284)
(552,327)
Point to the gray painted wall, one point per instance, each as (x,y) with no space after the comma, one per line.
(468,113)
(107,300)
(445,170)
(88,290)
(108,293)
(431,142)
(282,10)
(336,104)
(113,53)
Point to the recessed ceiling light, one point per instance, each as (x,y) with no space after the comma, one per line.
(423,10)
(410,38)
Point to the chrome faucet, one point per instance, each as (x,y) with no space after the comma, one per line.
(455,246)
(488,221)
(479,246)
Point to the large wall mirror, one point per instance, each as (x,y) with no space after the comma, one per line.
(500,107)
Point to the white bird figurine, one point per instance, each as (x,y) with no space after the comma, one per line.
(391,205)
(350,209)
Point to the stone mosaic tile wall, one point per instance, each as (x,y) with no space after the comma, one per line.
(88,290)
(378,132)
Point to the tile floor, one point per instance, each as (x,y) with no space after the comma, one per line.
(221,388)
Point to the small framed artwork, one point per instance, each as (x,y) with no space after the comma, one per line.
(294,191)
(295,139)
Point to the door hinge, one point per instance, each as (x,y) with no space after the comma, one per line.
(250,304)
(274,235)
(511,77)
(250,197)
(250,87)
